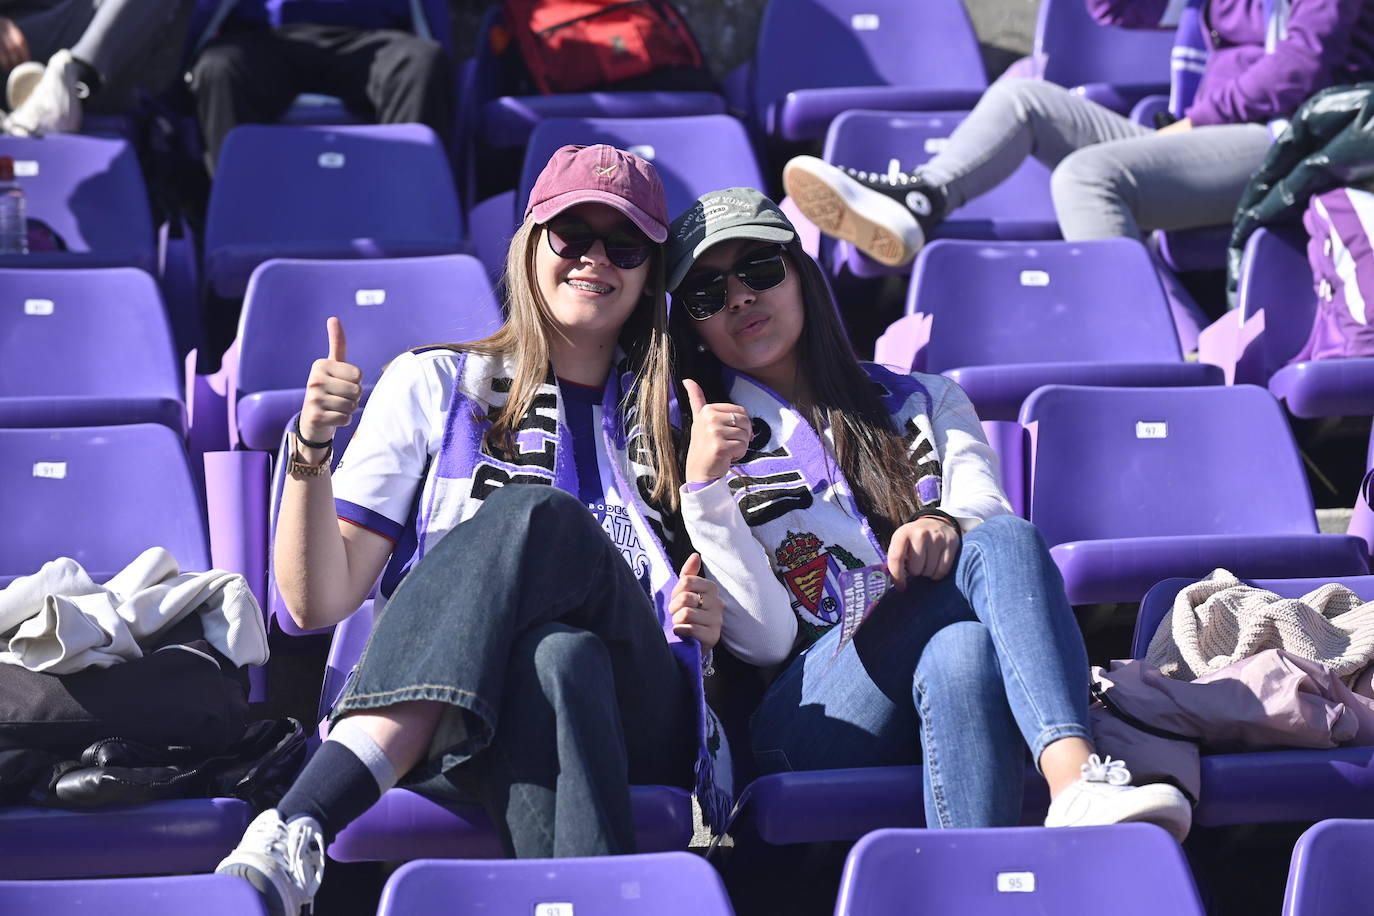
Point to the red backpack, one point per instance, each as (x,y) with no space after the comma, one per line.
(572,45)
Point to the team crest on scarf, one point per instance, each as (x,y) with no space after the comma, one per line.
(810,576)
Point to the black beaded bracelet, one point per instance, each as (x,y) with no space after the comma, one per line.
(943,516)
(306,442)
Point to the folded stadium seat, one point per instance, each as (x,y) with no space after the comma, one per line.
(1329,874)
(664,884)
(406,825)
(89,191)
(1259,787)
(86,347)
(877,141)
(692,155)
(1112,66)
(502,119)
(205,895)
(1004,318)
(823,806)
(1277,304)
(387,306)
(816,59)
(1130,869)
(102,495)
(368,191)
(1133,485)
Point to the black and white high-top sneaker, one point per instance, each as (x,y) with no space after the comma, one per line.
(886,215)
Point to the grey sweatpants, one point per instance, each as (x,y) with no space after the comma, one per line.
(1112,177)
(129,42)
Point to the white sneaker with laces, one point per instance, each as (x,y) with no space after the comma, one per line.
(21,81)
(53,105)
(876,222)
(283,861)
(1104,795)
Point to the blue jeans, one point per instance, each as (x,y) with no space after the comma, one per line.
(945,673)
(527,619)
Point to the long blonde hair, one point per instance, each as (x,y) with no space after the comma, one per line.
(644,337)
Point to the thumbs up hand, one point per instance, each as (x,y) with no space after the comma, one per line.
(333,389)
(720,436)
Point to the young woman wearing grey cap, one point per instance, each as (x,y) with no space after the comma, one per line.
(811,482)
(505,491)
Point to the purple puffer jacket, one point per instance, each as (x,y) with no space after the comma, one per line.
(1329,43)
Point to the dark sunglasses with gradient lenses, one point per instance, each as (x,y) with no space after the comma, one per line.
(626,247)
(705,294)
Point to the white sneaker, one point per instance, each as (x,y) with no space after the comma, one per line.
(52,105)
(21,81)
(1104,795)
(283,861)
(841,207)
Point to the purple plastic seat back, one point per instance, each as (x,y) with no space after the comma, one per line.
(90,192)
(205,895)
(1018,871)
(692,155)
(368,191)
(664,884)
(100,495)
(825,44)
(387,306)
(1077,49)
(1151,462)
(1019,302)
(85,347)
(1329,874)
(1158,600)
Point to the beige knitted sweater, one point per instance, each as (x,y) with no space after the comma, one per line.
(1220,620)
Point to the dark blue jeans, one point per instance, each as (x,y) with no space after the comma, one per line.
(962,675)
(527,619)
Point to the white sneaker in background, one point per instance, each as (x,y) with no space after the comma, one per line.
(52,105)
(1104,795)
(283,861)
(21,81)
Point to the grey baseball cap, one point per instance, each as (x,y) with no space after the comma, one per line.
(719,216)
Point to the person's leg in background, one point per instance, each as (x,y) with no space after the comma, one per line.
(1014,119)
(249,76)
(97,55)
(1178,180)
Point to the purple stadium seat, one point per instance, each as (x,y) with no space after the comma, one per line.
(86,347)
(1127,869)
(1277,304)
(88,190)
(1005,318)
(387,306)
(502,118)
(205,895)
(1018,208)
(821,806)
(1272,786)
(1329,874)
(327,192)
(1112,66)
(1362,518)
(99,494)
(816,59)
(662,884)
(1133,485)
(692,155)
(406,825)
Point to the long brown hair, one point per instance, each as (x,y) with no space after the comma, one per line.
(838,394)
(644,337)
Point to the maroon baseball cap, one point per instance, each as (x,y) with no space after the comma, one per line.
(601,174)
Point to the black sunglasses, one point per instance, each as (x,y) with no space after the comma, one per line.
(626,248)
(705,294)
